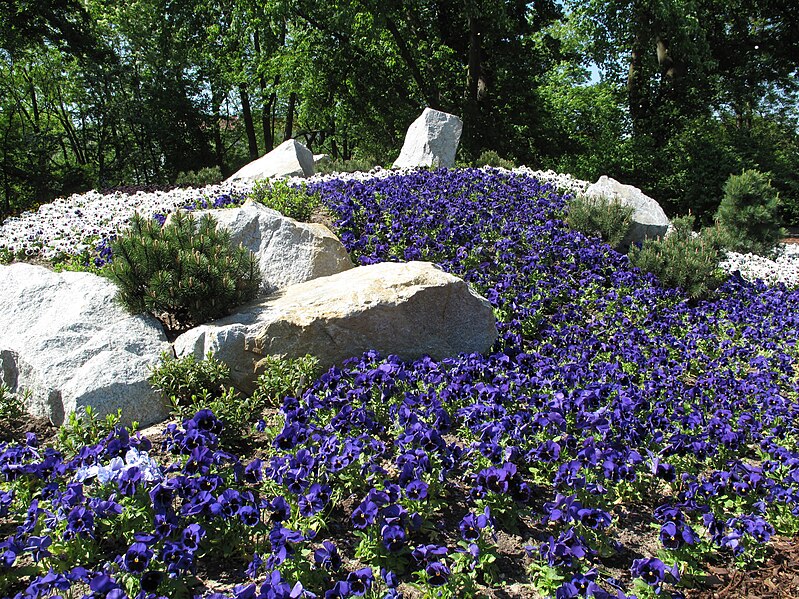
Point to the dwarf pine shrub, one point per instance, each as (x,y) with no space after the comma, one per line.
(598,216)
(294,202)
(749,213)
(682,259)
(205,176)
(184,273)
(353,165)
(491,158)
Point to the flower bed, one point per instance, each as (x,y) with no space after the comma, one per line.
(617,440)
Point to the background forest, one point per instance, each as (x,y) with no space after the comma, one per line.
(672,95)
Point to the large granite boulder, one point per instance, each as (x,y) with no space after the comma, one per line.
(431,140)
(649,220)
(408,309)
(288,251)
(70,344)
(289,159)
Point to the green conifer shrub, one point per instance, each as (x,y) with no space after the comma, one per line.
(600,217)
(684,260)
(749,213)
(205,176)
(294,202)
(491,158)
(184,273)
(353,165)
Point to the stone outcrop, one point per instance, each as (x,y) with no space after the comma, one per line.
(407,309)
(649,220)
(431,140)
(288,251)
(289,159)
(68,343)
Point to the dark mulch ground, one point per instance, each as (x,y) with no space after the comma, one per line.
(777,579)
(13,430)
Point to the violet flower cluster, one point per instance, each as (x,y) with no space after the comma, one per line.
(603,390)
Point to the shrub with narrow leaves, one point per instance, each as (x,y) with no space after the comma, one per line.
(600,217)
(178,380)
(291,201)
(352,165)
(749,214)
(205,176)
(684,260)
(491,158)
(184,273)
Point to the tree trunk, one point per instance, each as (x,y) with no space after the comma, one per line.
(431,95)
(471,110)
(216,116)
(6,189)
(266,107)
(290,116)
(252,142)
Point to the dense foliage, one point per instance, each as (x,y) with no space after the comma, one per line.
(289,200)
(684,259)
(748,213)
(672,97)
(600,217)
(184,272)
(618,439)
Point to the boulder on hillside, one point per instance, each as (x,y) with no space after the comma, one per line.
(288,251)
(431,140)
(70,344)
(289,159)
(649,220)
(407,309)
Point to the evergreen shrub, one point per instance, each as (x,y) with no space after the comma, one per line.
(600,217)
(328,167)
(205,176)
(294,202)
(749,213)
(184,273)
(684,260)
(491,158)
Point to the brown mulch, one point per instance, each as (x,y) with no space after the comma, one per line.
(13,430)
(778,578)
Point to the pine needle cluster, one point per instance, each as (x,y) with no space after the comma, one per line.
(598,216)
(184,273)
(749,213)
(683,259)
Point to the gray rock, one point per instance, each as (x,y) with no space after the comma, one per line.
(288,251)
(407,309)
(69,344)
(289,159)
(431,140)
(649,220)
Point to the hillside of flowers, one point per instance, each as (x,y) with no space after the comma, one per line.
(618,441)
